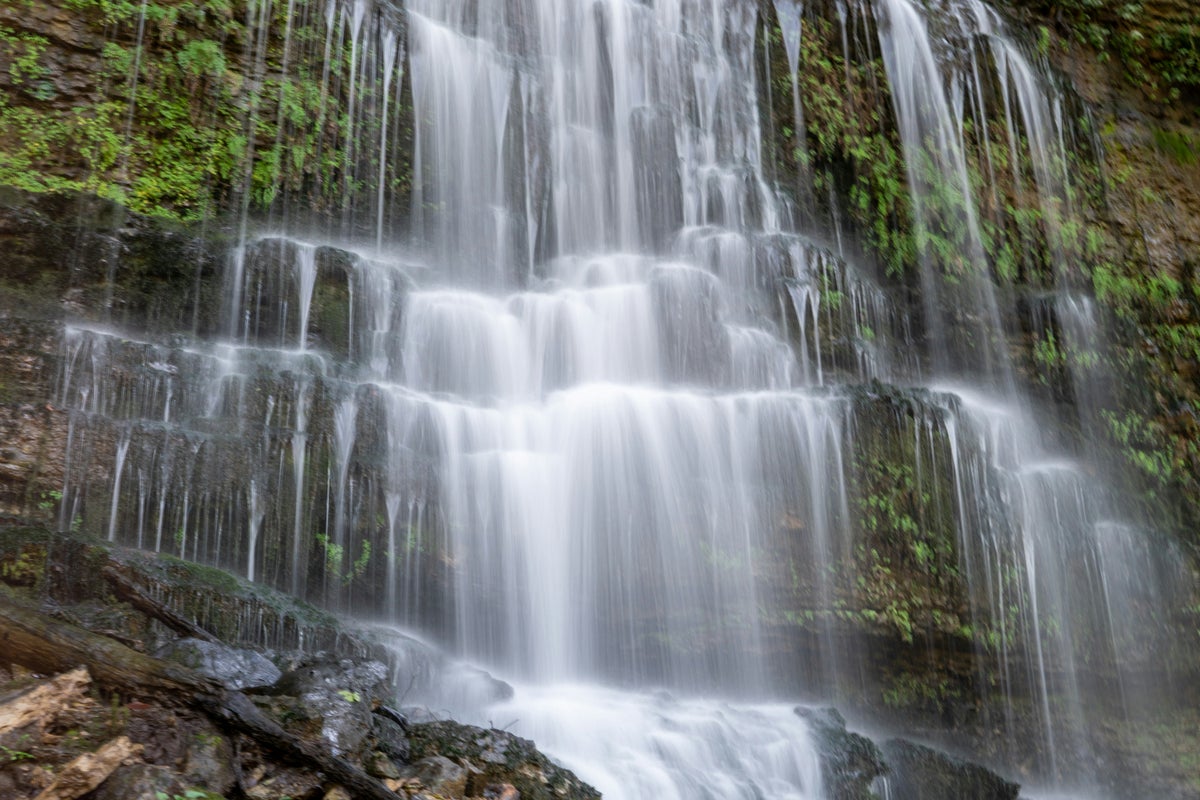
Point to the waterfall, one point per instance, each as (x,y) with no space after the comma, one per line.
(622,414)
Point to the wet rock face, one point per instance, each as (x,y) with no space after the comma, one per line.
(69,62)
(88,260)
(335,697)
(491,759)
(31,462)
(74,255)
(917,772)
(236,668)
(853,766)
(849,762)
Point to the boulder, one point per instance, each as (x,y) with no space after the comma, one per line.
(439,775)
(379,765)
(338,695)
(389,735)
(918,772)
(237,668)
(494,757)
(849,762)
(140,782)
(286,782)
(209,762)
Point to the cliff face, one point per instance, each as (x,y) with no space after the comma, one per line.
(1137,67)
(189,110)
(94,262)
(1130,176)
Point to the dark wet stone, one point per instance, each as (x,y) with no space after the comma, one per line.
(849,762)
(210,762)
(236,668)
(339,694)
(390,738)
(922,773)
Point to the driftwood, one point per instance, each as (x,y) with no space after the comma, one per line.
(130,593)
(90,770)
(43,703)
(38,642)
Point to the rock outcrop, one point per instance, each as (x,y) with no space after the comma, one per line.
(172,735)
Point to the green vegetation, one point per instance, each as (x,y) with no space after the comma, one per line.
(849,146)
(852,153)
(1033,241)
(335,555)
(189,794)
(1183,147)
(1153,302)
(907,691)
(1157,46)
(24,565)
(11,756)
(195,117)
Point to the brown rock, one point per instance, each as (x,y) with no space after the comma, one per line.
(285,782)
(140,782)
(43,703)
(89,770)
(440,775)
(500,791)
(379,765)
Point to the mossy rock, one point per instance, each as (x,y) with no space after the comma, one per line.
(69,569)
(499,757)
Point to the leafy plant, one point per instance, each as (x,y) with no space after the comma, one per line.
(14,756)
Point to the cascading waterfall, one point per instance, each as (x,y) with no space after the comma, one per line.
(609,398)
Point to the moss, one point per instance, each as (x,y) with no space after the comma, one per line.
(1181,146)
(493,756)
(932,694)
(183,122)
(26,567)
(848,146)
(1155,44)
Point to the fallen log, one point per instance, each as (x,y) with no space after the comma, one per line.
(42,703)
(41,643)
(130,593)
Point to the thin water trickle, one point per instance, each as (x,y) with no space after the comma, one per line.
(299,461)
(306,278)
(118,474)
(390,45)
